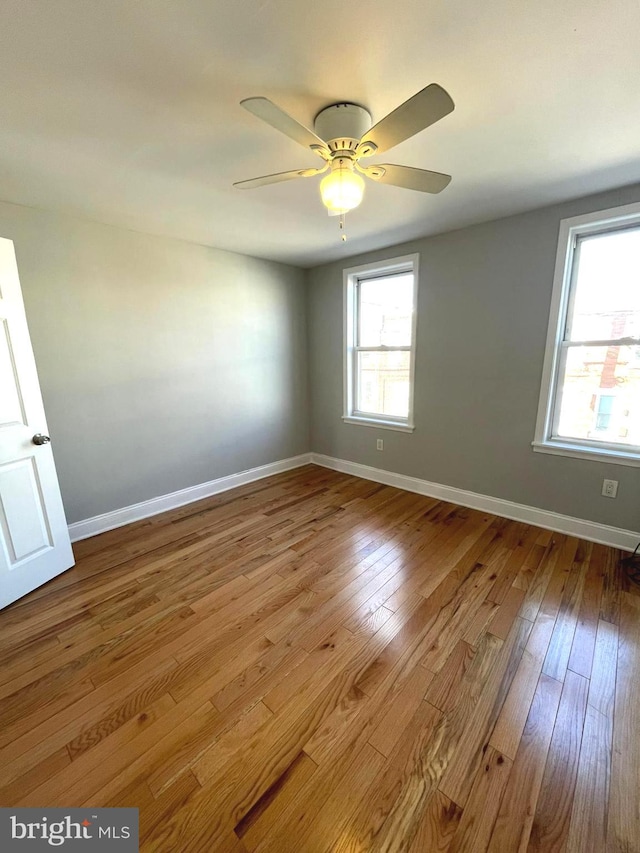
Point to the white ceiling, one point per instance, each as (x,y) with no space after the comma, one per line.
(126,111)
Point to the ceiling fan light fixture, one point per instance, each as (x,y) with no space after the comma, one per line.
(342,189)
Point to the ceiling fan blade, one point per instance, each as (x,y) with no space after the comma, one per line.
(278,177)
(275,116)
(423,109)
(407,177)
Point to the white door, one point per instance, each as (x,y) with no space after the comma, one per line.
(34,539)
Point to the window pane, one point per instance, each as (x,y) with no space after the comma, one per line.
(385,308)
(607,288)
(605,410)
(383,383)
(601,395)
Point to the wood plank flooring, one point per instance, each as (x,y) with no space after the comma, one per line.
(320,664)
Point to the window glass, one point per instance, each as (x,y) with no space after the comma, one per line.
(606,298)
(385,307)
(600,396)
(383,383)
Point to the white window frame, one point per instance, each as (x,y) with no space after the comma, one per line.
(545,440)
(351,276)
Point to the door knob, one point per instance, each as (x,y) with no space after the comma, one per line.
(38,438)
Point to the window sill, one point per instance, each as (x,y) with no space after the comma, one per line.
(373,422)
(595,454)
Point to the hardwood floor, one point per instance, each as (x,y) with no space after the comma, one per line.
(321,664)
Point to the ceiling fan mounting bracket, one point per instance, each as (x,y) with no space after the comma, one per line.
(376,173)
(342,126)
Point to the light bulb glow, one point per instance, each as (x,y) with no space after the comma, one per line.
(342,189)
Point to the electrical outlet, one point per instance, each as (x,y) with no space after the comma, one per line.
(610,488)
(380,444)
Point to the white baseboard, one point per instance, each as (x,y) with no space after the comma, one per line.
(591,530)
(119,517)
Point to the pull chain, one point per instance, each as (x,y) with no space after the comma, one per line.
(344,236)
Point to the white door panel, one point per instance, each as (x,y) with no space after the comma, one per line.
(34,539)
(22,511)
(11,408)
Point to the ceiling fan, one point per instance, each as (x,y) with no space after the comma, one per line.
(343,136)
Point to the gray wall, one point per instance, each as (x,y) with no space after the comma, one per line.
(483,309)
(162,364)
(165,364)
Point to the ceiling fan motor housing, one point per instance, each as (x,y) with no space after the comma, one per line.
(342,126)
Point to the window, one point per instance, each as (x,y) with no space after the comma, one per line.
(605,409)
(380,331)
(590,398)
